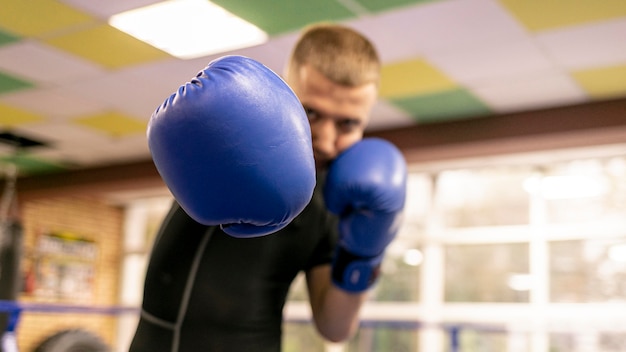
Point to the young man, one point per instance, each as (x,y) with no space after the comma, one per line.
(206,290)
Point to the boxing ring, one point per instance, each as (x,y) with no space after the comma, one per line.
(14,310)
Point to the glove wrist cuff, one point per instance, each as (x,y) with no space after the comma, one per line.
(354,273)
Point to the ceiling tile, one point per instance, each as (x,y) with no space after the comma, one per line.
(6,38)
(443,106)
(280,16)
(43,64)
(9,83)
(39,17)
(439,27)
(52,102)
(29,164)
(530,91)
(59,134)
(134,92)
(113,124)
(385,115)
(67,143)
(107,46)
(97,153)
(134,147)
(599,44)
(539,15)
(412,77)
(490,62)
(106,9)
(11,116)
(273,54)
(603,83)
(381,5)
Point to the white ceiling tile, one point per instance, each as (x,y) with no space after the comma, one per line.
(126,91)
(105,9)
(43,64)
(124,150)
(82,146)
(273,54)
(64,135)
(386,116)
(440,26)
(140,90)
(594,45)
(530,91)
(489,62)
(52,102)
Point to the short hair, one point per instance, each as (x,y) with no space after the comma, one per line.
(340,53)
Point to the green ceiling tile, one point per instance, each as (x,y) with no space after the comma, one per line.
(444,106)
(280,16)
(6,38)
(10,83)
(29,165)
(381,5)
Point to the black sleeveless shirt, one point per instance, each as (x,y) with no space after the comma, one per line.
(206,291)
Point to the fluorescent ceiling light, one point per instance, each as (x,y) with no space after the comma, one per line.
(188,28)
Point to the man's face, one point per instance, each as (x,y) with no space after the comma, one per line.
(337,114)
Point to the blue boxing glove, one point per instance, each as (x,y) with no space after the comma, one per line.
(366,188)
(234,148)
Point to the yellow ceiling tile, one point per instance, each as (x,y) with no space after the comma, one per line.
(602,83)
(411,78)
(538,15)
(114,124)
(108,46)
(39,17)
(11,117)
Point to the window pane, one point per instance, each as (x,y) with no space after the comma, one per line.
(485,197)
(399,281)
(585,190)
(588,270)
(418,204)
(487,273)
(485,341)
(374,339)
(298,289)
(597,342)
(301,337)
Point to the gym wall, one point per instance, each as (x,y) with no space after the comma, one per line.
(94,221)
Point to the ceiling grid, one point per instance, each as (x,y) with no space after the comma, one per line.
(88,90)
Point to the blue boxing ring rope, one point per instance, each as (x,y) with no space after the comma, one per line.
(15,309)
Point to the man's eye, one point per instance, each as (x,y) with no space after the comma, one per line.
(311,114)
(348,125)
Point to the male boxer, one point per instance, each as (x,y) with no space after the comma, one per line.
(246,220)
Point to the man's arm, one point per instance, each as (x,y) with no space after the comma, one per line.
(335,311)
(365,187)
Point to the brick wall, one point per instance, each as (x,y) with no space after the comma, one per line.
(94,221)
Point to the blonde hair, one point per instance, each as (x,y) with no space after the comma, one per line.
(341,54)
